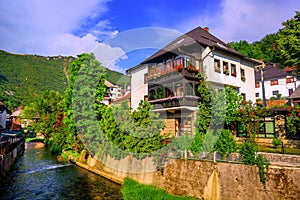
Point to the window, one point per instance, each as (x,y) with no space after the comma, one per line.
(291,92)
(178,89)
(168,91)
(178,63)
(160,93)
(217,66)
(289,80)
(244,96)
(145,97)
(257,85)
(275,92)
(233,70)
(243,78)
(257,94)
(274,82)
(168,66)
(152,95)
(189,90)
(225,68)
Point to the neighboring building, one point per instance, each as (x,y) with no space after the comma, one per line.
(113,93)
(276,82)
(167,79)
(3,116)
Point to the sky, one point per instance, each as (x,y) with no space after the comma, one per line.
(123,33)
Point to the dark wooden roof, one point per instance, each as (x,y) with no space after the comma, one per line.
(197,35)
(296,94)
(270,72)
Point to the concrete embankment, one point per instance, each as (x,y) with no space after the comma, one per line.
(202,179)
(9,153)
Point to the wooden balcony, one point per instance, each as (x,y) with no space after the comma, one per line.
(172,75)
(177,101)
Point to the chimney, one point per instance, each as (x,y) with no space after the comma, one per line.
(206,29)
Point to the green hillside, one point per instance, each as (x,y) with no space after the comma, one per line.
(24,77)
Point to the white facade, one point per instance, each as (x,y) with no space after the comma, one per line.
(284,86)
(138,85)
(3,118)
(220,79)
(115,92)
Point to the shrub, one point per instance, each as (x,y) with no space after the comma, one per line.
(248,150)
(226,143)
(276,142)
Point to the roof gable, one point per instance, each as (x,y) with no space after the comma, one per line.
(271,72)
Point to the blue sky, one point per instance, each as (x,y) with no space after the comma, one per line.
(125,32)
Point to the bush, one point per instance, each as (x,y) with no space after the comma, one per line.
(276,142)
(226,143)
(248,150)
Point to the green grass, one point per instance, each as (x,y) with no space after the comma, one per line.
(34,139)
(267,149)
(131,190)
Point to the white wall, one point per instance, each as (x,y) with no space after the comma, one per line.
(3,119)
(138,87)
(247,87)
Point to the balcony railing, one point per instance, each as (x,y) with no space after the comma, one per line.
(176,101)
(172,74)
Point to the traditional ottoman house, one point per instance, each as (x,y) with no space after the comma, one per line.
(168,80)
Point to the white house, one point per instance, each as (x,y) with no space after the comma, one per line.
(276,82)
(167,79)
(3,114)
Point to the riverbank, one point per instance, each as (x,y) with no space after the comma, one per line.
(10,152)
(38,175)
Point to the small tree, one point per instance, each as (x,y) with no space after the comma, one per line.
(226,143)
(45,111)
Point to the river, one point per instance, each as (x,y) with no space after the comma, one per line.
(37,175)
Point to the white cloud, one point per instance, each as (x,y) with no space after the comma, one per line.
(109,56)
(45,27)
(251,20)
(247,20)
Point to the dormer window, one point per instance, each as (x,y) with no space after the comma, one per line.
(225,68)
(217,66)
(243,77)
(233,70)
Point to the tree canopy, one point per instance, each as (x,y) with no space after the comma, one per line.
(288,42)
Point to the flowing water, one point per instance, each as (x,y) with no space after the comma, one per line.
(37,175)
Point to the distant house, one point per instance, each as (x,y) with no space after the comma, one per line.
(3,116)
(113,93)
(276,81)
(168,80)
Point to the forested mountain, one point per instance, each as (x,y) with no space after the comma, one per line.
(24,77)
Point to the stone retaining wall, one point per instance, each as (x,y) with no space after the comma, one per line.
(282,158)
(205,179)
(9,157)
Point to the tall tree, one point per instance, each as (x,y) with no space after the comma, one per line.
(288,41)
